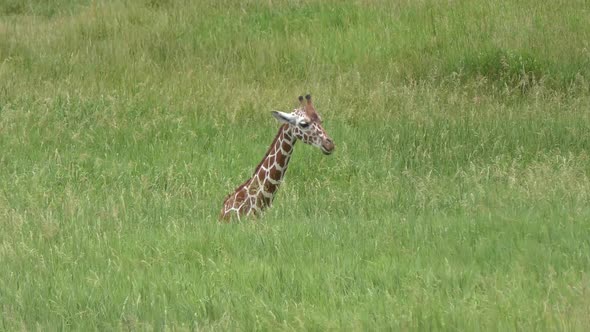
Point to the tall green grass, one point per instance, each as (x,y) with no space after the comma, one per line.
(458,196)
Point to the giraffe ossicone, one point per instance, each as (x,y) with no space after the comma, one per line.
(258,192)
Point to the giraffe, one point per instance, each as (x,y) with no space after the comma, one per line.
(257,193)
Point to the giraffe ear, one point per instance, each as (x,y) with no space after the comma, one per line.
(284,117)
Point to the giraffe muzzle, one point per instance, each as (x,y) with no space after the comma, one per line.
(327,146)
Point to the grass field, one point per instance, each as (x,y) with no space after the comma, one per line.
(458,197)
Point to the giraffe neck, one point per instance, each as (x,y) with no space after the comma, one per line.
(270,172)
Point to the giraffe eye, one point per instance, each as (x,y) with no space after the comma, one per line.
(304,124)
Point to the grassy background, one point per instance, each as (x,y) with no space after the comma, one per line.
(458,196)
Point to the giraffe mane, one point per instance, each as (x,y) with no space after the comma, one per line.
(240,187)
(281,129)
(274,141)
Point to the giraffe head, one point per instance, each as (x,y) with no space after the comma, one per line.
(306,125)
